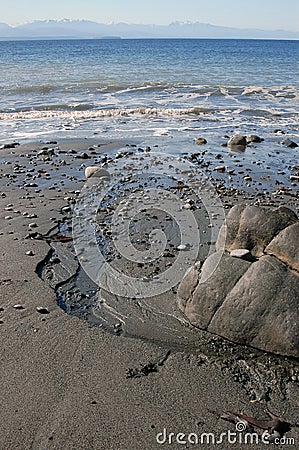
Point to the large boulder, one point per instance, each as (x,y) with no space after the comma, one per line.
(200,300)
(252,301)
(253,227)
(285,246)
(262,309)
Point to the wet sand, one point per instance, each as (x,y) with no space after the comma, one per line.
(66,384)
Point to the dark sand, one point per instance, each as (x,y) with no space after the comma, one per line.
(64,382)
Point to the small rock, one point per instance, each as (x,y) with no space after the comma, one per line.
(182,247)
(253,138)
(247,178)
(54,260)
(238,139)
(84,155)
(288,143)
(200,141)
(123,153)
(66,209)
(30,253)
(12,145)
(42,310)
(46,152)
(32,225)
(30,185)
(18,306)
(94,171)
(294,178)
(242,253)
(220,169)
(91,171)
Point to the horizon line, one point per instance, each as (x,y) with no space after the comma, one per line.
(186,22)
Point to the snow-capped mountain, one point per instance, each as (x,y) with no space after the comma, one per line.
(69,28)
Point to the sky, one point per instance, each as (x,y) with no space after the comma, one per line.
(263,14)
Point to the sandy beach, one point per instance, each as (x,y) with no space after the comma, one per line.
(66,384)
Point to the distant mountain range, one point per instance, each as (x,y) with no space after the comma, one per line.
(85,29)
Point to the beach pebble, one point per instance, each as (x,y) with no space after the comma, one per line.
(200,141)
(94,171)
(46,152)
(220,169)
(7,217)
(182,247)
(66,209)
(12,145)
(247,178)
(123,153)
(32,225)
(253,138)
(90,171)
(30,253)
(294,178)
(242,253)
(288,143)
(18,306)
(30,185)
(42,310)
(84,155)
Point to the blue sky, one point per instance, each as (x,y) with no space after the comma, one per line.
(266,14)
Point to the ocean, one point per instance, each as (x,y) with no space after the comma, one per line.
(163,92)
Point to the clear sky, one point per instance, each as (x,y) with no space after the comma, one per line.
(265,14)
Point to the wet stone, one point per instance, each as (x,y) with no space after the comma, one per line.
(238,139)
(42,310)
(253,138)
(220,169)
(200,141)
(289,143)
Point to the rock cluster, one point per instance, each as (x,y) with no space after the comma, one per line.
(248,291)
(239,142)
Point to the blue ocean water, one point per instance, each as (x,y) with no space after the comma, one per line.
(149,87)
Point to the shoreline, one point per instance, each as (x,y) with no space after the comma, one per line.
(64,382)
